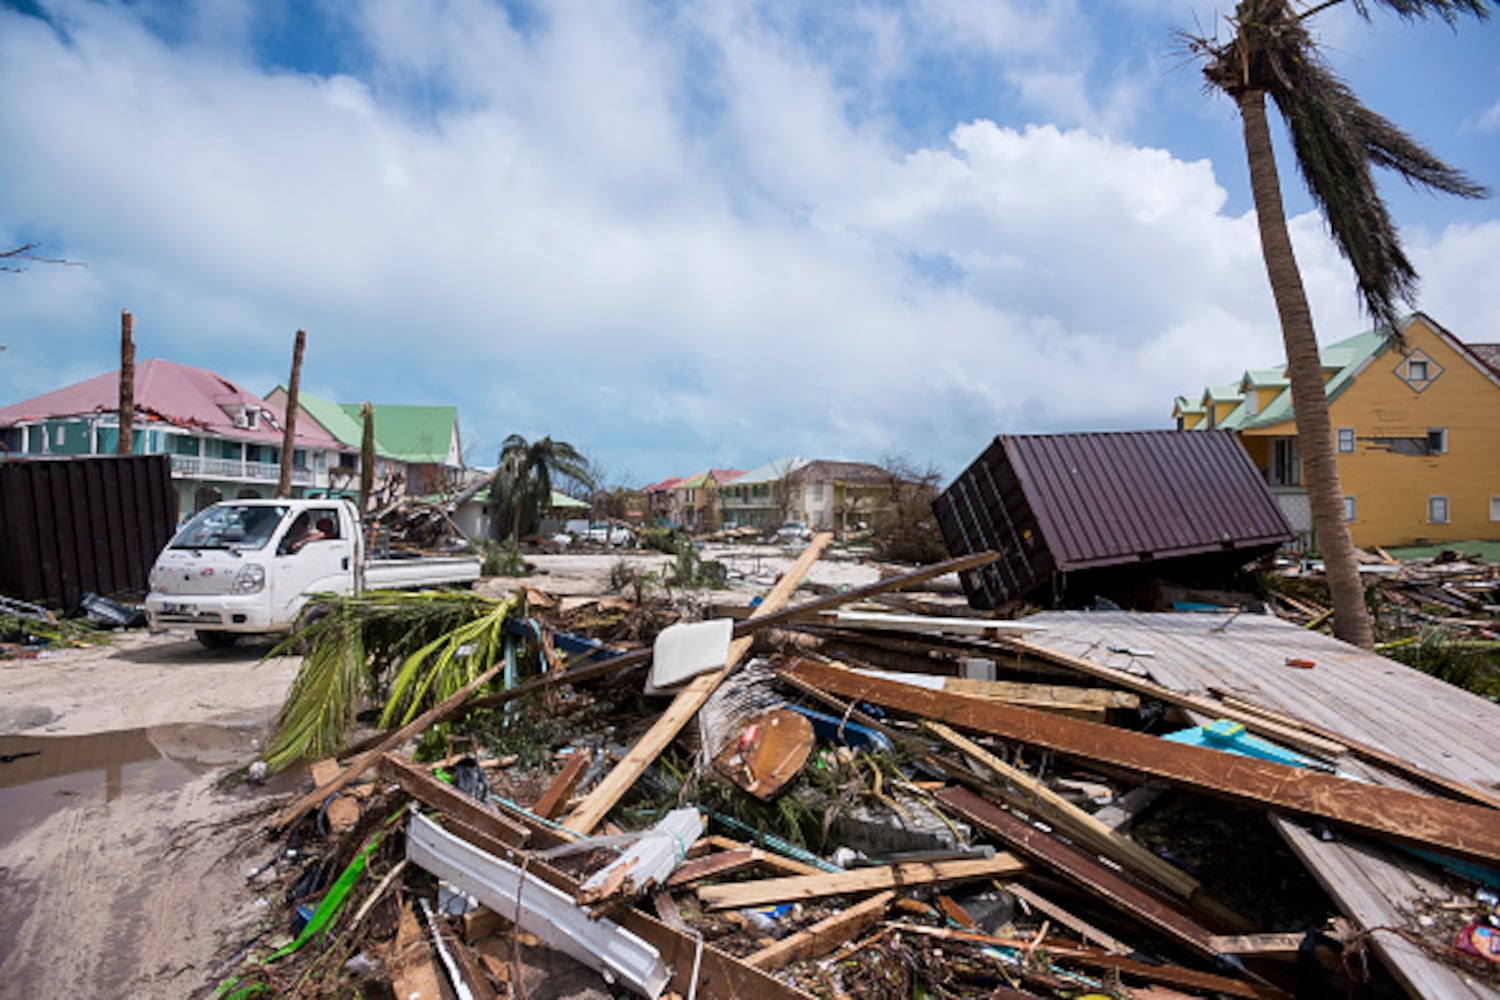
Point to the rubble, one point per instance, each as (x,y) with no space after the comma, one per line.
(973,816)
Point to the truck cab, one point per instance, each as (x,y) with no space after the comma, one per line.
(249,566)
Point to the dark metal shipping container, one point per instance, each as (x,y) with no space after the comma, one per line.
(73,525)
(1059,504)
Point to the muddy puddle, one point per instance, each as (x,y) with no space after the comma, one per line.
(40,775)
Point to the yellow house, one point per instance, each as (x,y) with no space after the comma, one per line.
(1417,435)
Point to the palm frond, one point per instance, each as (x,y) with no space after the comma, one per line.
(323,700)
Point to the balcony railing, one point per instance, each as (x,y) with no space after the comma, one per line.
(194,467)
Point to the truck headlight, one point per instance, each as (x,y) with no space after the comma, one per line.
(250,579)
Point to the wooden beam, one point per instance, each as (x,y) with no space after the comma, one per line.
(714,864)
(555,798)
(1075,822)
(617,782)
(1171,975)
(912,873)
(1318,746)
(423,786)
(1080,868)
(825,935)
(1264,945)
(1085,929)
(1466,831)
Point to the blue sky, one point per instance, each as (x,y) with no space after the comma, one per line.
(698,234)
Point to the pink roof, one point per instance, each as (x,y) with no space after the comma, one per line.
(723,476)
(177,394)
(663,486)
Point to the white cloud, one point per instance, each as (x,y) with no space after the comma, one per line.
(664,236)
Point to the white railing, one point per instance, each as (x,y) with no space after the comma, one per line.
(194,467)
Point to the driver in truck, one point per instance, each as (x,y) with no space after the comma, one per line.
(301,532)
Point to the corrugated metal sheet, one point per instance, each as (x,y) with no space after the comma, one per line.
(68,526)
(1061,503)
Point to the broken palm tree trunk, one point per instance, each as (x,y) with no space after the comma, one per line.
(609,791)
(289,419)
(1465,831)
(126,443)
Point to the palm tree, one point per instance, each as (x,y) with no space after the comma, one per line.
(1336,140)
(523,486)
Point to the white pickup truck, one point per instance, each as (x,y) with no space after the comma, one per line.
(246,567)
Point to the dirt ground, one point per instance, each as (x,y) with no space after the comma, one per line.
(122,867)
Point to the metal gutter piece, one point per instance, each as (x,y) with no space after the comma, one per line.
(549,913)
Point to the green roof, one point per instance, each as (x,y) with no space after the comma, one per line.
(1187,407)
(1349,356)
(563,500)
(694,481)
(1264,378)
(1222,393)
(420,434)
(335,421)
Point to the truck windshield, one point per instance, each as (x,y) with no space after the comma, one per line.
(231,526)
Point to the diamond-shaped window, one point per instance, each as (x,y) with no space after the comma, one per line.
(1418,370)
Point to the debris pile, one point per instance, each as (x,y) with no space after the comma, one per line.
(830,798)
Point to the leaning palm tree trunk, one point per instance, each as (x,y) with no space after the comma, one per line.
(1351,619)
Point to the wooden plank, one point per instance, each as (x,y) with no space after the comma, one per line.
(1308,743)
(1060,695)
(414,976)
(418,784)
(913,873)
(1085,929)
(825,935)
(1467,831)
(1172,975)
(714,864)
(1264,945)
(691,698)
(1075,822)
(764,858)
(1080,868)
(555,798)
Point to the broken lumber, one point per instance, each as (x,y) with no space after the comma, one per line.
(748,627)
(714,864)
(1084,929)
(1456,828)
(647,863)
(769,891)
(555,798)
(1079,868)
(691,698)
(420,785)
(1075,822)
(1172,975)
(825,935)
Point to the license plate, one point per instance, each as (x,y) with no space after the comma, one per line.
(176,609)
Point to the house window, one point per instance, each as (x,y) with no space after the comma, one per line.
(1346,440)
(1286,463)
(1351,508)
(817,491)
(1437,440)
(1495,508)
(1437,510)
(1416,371)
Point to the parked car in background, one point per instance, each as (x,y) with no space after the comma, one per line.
(610,534)
(794,531)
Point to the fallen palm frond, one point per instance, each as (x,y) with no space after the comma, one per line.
(402,650)
(30,625)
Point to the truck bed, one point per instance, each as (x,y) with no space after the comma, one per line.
(428,571)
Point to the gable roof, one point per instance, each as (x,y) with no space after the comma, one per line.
(826,471)
(725,476)
(670,483)
(417,434)
(347,429)
(178,394)
(773,471)
(1489,354)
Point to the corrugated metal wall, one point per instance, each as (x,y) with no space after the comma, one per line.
(1061,503)
(68,526)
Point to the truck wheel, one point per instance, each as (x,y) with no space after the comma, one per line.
(217,640)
